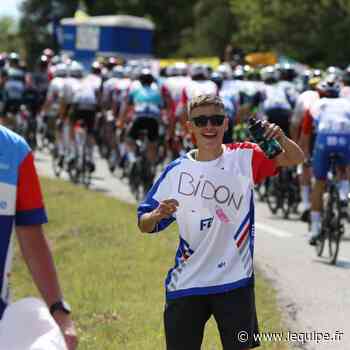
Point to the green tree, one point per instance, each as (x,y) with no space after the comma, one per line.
(211,31)
(10,40)
(312,31)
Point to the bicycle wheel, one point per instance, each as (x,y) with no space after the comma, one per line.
(334,234)
(135,180)
(56,163)
(272,196)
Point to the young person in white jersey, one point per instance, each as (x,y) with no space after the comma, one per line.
(209,193)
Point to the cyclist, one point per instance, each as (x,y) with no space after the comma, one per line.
(147,104)
(331,116)
(72,84)
(49,115)
(14,86)
(41,78)
(303,104)
(277,104)
(230,102)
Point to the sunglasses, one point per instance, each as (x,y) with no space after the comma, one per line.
(203,120)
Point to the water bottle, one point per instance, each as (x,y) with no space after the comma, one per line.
(270,147)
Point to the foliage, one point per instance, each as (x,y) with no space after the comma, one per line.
(10,40)
(311,31)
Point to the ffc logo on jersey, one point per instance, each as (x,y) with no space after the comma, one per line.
(206,223)
(3,205)
(242,240)
(207,190)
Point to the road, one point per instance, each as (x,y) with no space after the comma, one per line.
(314,296)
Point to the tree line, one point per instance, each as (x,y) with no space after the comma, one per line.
(310,31)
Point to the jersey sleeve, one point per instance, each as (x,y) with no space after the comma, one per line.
(261,165)
(161,190)
(29,204)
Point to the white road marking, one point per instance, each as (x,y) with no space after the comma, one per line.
(272,231)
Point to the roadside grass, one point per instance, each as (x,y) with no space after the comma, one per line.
(113,275)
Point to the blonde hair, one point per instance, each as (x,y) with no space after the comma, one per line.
(205,100)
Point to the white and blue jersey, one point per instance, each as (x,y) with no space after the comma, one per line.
(275,97)
(331,117)
(21,201)
(147,102)
(215,218)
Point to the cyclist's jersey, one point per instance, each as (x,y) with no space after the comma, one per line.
(54,92)
(85,97)
(330,116)
(215,218)
(21,201)
(175,86)
(70,87)
(147,102)
(120,90)
(290,89)
(274,97)
(14,85)
(230,104)
(41,82)
(303,103)
(95,81)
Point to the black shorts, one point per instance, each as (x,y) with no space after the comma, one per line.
(144,123)
(86,116)
(281,117)
(234,313)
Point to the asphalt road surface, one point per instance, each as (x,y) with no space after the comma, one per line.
(314,296)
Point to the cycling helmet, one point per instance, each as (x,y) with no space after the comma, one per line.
(225,71)
(329,87)
(176,70)
(313,82)
(48,52)
(111,62)
(43,61)
(171,71)
(118,72)
(269,74)
(76,70)
(238,73)
(334,71)
(96,68)
(181,68)
(199,72)
(146,77)
(317,73)
(217,78)
(287,72)
(60,70)
(13,58)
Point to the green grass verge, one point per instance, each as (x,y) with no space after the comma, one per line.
(113,275)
